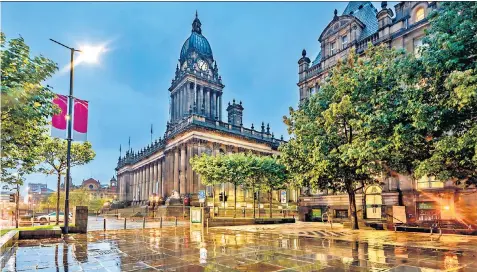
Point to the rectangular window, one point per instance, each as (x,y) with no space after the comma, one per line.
(429,183)
(333,48)
(344,41)
(418,44)
(341,213)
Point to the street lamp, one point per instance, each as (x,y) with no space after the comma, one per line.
(90,54)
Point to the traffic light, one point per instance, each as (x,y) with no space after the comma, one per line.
(12,197)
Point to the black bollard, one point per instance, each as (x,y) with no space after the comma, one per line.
(176,221)
(160,224)
(144,222)
(124,222)
(104,224)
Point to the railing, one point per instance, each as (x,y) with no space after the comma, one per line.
(363,45)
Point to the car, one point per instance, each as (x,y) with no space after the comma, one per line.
(52,217)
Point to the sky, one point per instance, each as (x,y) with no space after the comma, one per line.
(256,45)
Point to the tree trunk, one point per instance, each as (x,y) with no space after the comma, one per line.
(58,200)
(253,203)
(213,198)
(352,208)
(235,200)
(271,204)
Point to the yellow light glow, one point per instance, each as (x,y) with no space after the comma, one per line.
(90,54)
(446,208)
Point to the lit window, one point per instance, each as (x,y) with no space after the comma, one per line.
(429,183)
(344,41)
(333,48)
(419,14)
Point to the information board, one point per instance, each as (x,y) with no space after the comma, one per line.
(283,197)
(202,196)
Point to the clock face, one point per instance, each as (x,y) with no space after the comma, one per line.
(202,65)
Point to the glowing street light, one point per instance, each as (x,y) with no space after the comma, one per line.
(90,54)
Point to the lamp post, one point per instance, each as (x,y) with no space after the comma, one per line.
(68,139)
(90,54)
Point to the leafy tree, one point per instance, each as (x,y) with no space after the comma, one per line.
(54,152)
(344,135)
(210,169)
(236,168)
(26,106)
(445,83)
(275,176)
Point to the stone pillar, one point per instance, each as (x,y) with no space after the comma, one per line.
(134,187)
(213,107)
(159,177)
(220,107)
(190,175)
(172,107)
(207,102)
(80,215)
(154,180)
(200,91)
(182,174)
(176,169)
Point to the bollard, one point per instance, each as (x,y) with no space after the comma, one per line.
(124,222)
(32,221)
(144,222)
(49,222)
(176,221)
(160,223)
(207,225)
(104,224)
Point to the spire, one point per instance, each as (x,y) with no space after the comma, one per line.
(196,24)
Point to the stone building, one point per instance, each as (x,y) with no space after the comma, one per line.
(195,127)
(426,199)
(98,190)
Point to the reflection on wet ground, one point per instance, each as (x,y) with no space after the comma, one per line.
(184,249)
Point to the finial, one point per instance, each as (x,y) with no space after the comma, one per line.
(263,127)
(303,53)
(229,103)
(268,128)
(336,12)
(252,127)
(240,102)
(281,137)
(384,4)
(196,15)
(234,101)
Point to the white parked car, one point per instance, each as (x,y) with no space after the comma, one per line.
(52,216)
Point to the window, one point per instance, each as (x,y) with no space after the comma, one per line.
(341,213)
(333,48)
(418,44)
(419,14)
(429,183)
(344,41)
(91,186)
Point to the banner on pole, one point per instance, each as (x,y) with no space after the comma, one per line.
(80,120)
(58,121)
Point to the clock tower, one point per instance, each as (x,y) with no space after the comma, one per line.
(197,86)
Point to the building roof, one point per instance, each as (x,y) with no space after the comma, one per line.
(317,59)
(366,13)
(196,42)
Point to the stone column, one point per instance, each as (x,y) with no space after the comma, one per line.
(207,102)
(200,91)
(182,174)
(154,179)
(176,169)
(159,177)
(190,175)
(213,107)
(171,107)
(184,100)
(134,196)
(220,107)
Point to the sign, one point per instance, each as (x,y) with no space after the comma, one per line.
(316,213)
(202,196)
(195,215)
(283,197)
(426,205)
(399,214)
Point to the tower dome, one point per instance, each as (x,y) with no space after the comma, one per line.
(196,43)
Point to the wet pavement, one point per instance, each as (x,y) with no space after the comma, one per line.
(225,249)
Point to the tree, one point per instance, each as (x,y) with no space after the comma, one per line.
(210,169)
(54,152)
(26,107)
(344,135)
(236,171)
(445,86)
(275,176)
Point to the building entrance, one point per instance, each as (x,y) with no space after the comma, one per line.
(374,202)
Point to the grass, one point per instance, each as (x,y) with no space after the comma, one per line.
(45,227)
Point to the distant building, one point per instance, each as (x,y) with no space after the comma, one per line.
(98,190)
(37,192)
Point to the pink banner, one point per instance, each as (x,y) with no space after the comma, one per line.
(80,120)
(58,121)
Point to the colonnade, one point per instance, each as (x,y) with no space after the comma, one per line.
(195,98)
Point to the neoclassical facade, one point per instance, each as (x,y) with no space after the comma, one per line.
(195,127)
(426,199)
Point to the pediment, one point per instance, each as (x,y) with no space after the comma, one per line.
(337,24)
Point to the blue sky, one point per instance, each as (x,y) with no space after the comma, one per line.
(256,45)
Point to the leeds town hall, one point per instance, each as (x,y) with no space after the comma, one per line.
(196,126)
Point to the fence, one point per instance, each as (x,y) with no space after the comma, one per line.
(113,223)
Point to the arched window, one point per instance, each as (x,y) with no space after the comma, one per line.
(420,14)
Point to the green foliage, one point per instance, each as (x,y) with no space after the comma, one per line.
(78,197)
(54,153)
(26,107)
(446,85)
